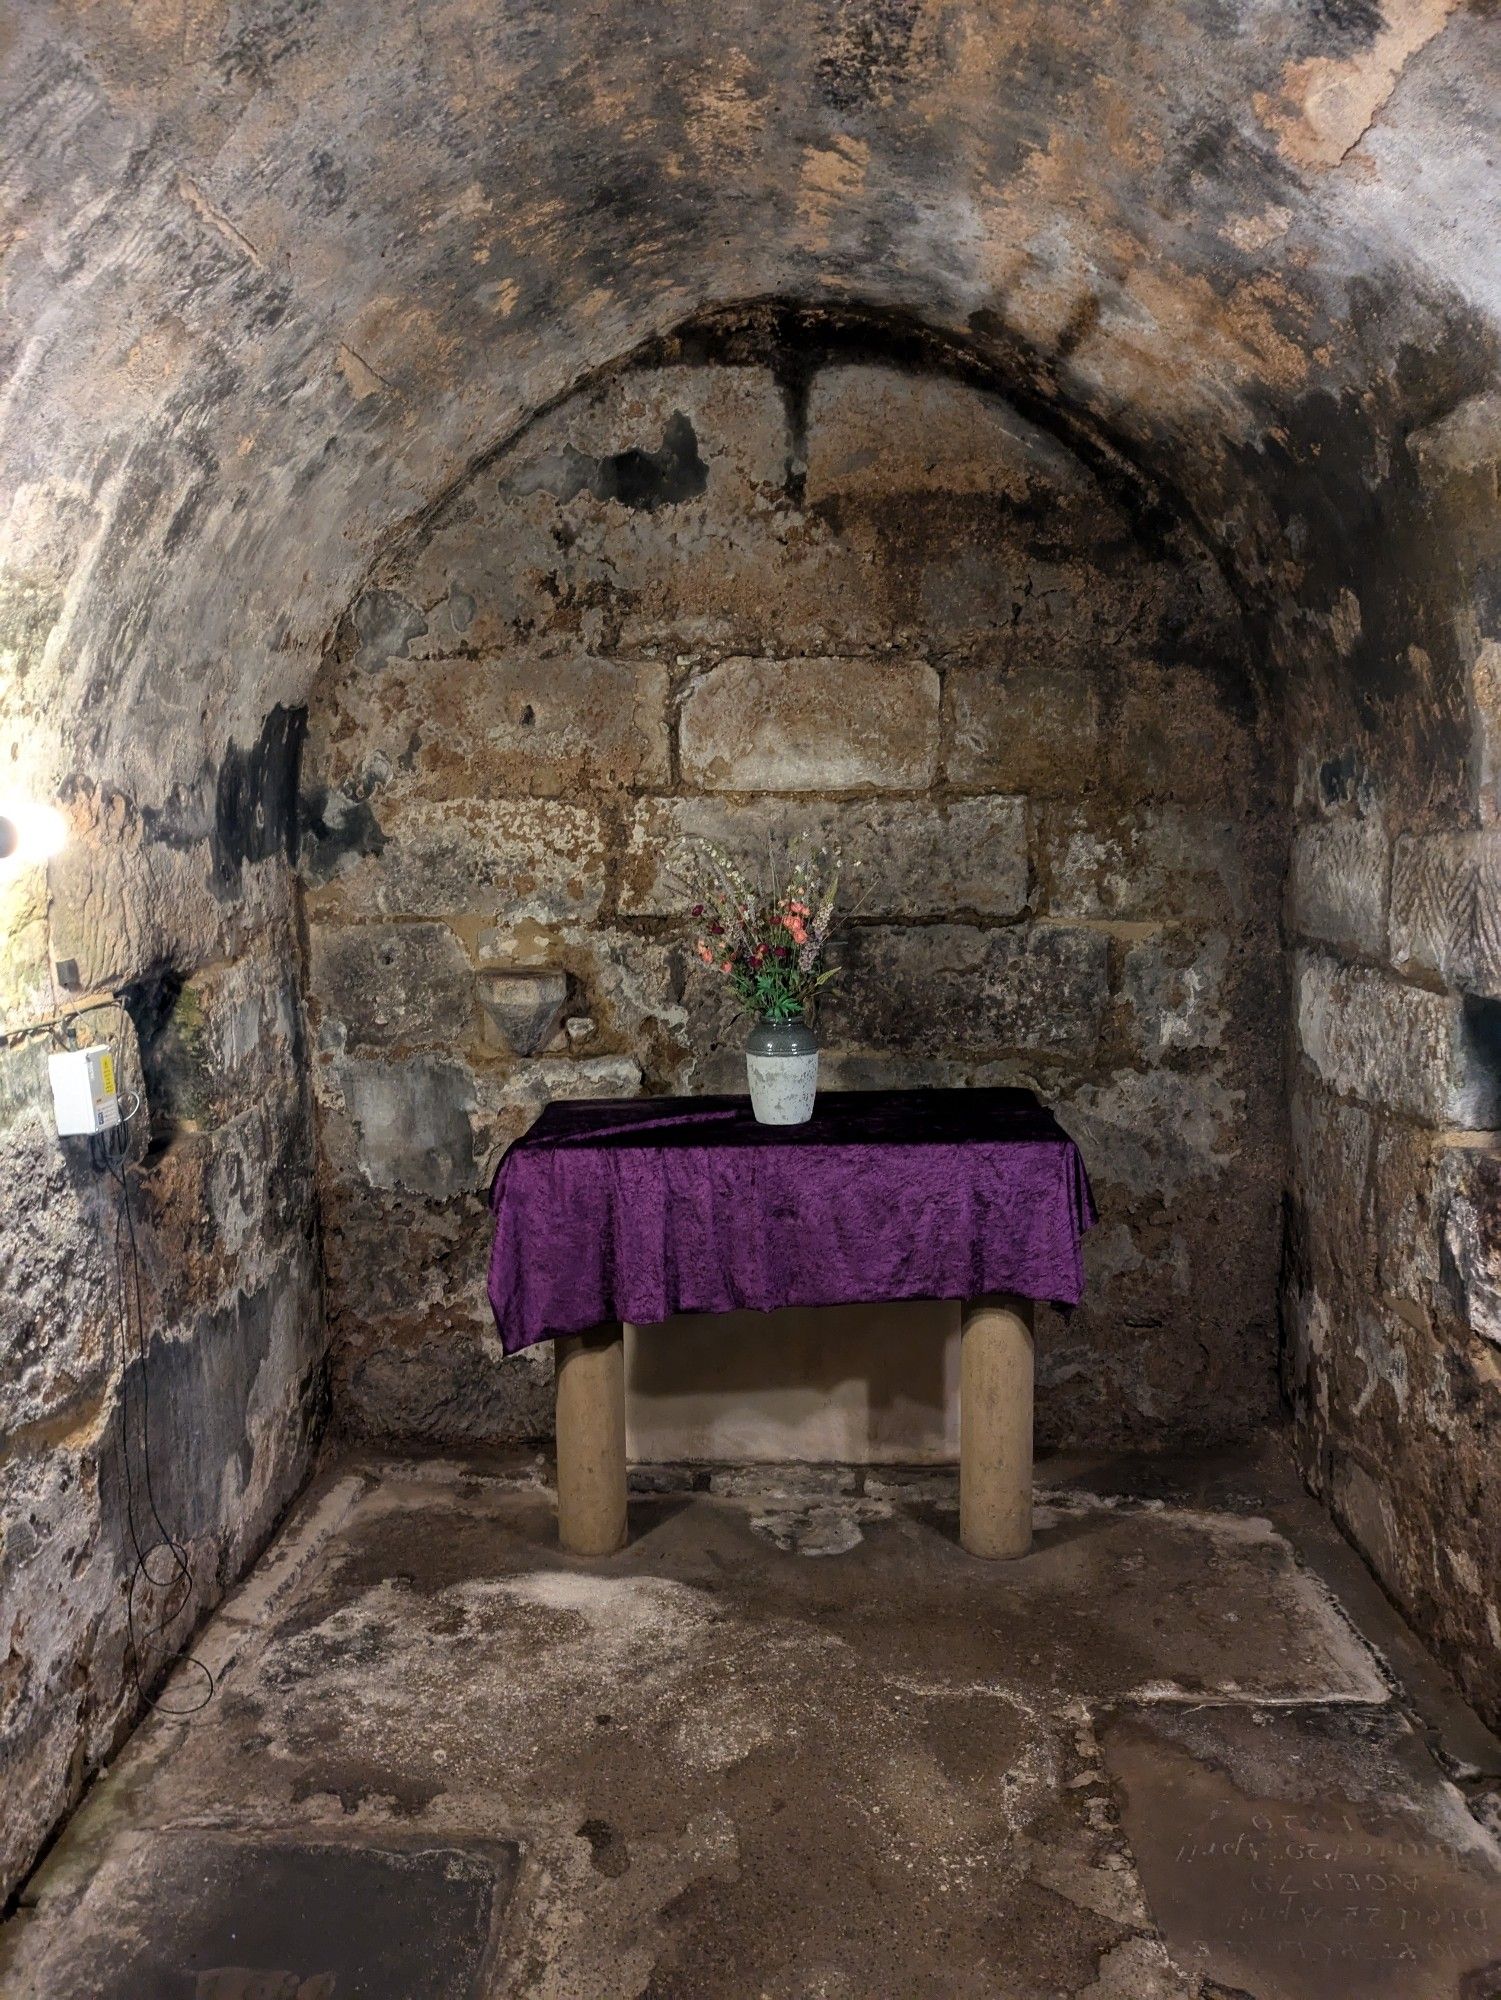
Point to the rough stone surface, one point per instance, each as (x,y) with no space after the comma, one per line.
(1426,1056)
(532,723)
(1446,909)
(391,985)
(411,1123)
(278,282)
(1158,863)
(842,617)
(1391,1318)
(943,989)
(821,725)
(905,858)
(213,1916)
(791,1739)
(1177,993)
(537,861)
(1338,884)
(221,1196)
(1298,1855)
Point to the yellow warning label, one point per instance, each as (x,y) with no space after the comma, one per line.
(107,1073)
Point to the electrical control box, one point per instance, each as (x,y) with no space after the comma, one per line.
(83,1089)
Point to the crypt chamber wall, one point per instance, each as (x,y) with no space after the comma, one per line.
(773,578)
(1111,532)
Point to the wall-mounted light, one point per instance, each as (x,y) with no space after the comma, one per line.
(29,833)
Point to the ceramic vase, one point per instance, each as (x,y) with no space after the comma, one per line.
(781,1061)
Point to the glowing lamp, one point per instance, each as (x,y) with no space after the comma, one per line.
(28,834)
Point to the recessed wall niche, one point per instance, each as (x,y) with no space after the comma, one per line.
(737,588)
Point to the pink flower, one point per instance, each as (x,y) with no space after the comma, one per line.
(704,953)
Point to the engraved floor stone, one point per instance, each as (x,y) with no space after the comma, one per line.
(1308,1854)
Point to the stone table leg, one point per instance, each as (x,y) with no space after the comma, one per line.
(591,1441)
(995,1426)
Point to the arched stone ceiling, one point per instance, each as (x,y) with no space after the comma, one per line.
(274,274)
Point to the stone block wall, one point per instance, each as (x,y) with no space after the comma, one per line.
(867,604)
(226,1356)
(1392,1304)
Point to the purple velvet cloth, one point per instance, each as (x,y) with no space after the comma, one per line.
(638,1208)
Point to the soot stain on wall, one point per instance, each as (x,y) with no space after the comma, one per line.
(255,799)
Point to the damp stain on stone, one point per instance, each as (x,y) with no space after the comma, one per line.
(640,479)
(385,624)
(608,1852)
(152,1002)
(201,1392)
(334,823)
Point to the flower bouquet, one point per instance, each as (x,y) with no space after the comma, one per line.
(768,940)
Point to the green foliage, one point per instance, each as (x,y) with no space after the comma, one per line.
(768,940)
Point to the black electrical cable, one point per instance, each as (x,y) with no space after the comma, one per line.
(178,1582)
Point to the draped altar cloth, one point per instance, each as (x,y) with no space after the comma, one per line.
(638,1208)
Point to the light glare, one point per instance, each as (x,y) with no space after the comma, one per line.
(29,833)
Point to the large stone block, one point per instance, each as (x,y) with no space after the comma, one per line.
(411,1121)
(1157,1133)
(884,431)
(1025,724)
(659,439)
(1423,1055)
(519,722)
(1173,993)
(1337,885)
(811,725)
(947,989)
(376,986)
(1446,909)
(1184,732)
(517,858)
(902,857)
(1131,862)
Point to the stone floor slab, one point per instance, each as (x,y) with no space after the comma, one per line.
(792,1742)
(188,1914)
(1308,1854)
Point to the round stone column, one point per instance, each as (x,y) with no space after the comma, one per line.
(591,1441)
(995,1426)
